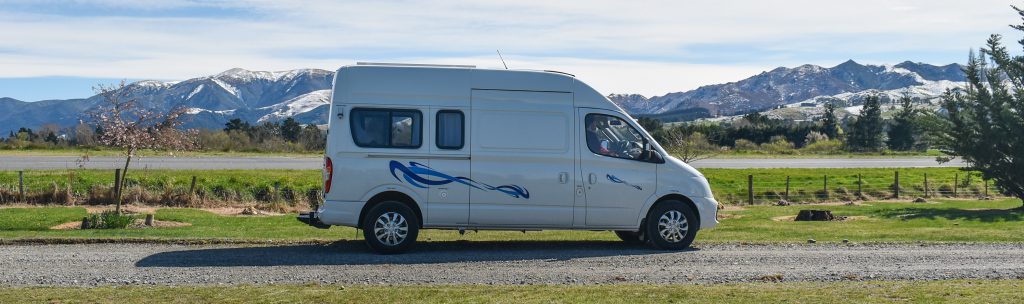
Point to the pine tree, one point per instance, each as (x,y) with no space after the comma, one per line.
(867,129)
(985,122)
(829,122)
(903,131)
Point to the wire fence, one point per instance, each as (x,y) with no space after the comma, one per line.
(769,189)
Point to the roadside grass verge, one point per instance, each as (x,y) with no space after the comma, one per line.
(936,221)
(961,291)
(299,188)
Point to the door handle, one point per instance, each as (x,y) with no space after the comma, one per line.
(563,177)
(593,178)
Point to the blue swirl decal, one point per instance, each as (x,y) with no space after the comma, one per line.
(420,175)
(617,180)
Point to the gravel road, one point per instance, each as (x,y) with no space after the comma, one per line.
(9,162)
(498,263)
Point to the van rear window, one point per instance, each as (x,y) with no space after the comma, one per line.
(450,129)
(386,128)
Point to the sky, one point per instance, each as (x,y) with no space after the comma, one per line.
(61,49)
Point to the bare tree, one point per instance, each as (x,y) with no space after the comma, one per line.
(124,124)
(689,147)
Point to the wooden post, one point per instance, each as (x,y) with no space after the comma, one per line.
(897,184)
(787,188)
(117,183)
(21,186)
(956,181)
(926,192)
(826,188)
(860,187)
(750,189)
(277,189)
(192,188)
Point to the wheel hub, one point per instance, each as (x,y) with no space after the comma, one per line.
(391,228)
(673,226)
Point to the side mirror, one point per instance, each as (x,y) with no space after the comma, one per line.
(655,157)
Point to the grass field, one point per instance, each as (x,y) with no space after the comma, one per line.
(297,186)
(938,221)
(994,291)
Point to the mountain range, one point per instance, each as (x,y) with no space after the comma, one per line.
(805,83)
(304,94)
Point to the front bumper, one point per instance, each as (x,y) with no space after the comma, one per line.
(707,208)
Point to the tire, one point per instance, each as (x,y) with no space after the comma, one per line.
(390,227)
(630,237)
(671,225)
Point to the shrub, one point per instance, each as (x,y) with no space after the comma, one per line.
(110,219)
(824,146)
(745,145)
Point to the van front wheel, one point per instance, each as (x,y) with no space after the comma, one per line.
(671,225)
(390,227)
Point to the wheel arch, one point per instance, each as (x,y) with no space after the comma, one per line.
(670,197)
(392,196)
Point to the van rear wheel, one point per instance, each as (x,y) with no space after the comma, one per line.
(671,225)
(390,227)
(630,237)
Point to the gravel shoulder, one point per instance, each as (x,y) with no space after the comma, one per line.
(350,263)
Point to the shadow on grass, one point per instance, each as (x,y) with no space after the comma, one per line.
(981,215)
(353,252)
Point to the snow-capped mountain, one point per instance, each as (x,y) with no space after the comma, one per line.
(254,96)
(847,82)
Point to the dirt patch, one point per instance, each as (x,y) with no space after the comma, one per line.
(725,216)
(138,224)
(855,218)
(241,211)
(732,208)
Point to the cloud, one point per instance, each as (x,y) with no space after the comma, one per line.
(651,47)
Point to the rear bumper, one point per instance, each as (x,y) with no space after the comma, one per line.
(340,213)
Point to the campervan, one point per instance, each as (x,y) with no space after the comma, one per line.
(413,147)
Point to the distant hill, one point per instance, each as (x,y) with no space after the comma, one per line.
(805,83)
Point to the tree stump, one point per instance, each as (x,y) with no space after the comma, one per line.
(149,220)
(85,223)
(815,215)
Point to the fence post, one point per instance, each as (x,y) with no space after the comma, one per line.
(897,184)
(21,186)
(117,184)
(826,188)
(192,188)
(927,193)
(956,181)
(750,189)
(787,188)
(860,187)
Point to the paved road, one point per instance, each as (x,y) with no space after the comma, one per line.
(99,162)
(499,263)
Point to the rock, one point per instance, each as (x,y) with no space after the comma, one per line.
(815,215)
(149,220)
(850,203)
(250,211)
(783,202)
(920,200)
(85,223)
(845,241)
(811,241)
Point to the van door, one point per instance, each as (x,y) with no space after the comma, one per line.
(522,162)
(618,180)
(448,199)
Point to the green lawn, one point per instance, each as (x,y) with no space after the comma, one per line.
(729,185)
(938,221)
(978,291)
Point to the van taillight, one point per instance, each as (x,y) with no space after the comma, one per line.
(328,174)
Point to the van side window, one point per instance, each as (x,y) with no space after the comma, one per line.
(611,136)
(386,128)
(450,129)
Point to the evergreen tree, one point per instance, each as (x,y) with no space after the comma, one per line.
(866,133)
(829,122)
(290,129)
(903,131)
(985,122)
(237,124)
(650,124)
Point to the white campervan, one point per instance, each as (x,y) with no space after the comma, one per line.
(455,147)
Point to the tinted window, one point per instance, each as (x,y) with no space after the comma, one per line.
(450,129)
(613,137)
(384,128)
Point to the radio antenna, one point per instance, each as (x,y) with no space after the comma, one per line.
(502,59)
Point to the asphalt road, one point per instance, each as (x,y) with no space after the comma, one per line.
(499,263)
(227,162)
